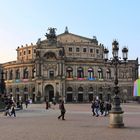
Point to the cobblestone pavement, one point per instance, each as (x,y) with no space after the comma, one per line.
(36,123)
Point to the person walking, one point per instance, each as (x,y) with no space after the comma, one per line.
(102,108)
(7,109)
(13,112)
(97,106)
(93,107)
(107,108)
(26,103)
(47,104)
(62,109)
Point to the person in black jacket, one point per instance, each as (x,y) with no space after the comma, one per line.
(13,112)
(62,109)
(93,107)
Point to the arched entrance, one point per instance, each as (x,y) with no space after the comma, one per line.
(49,93)
(90,97)
(69,97)
(80,94)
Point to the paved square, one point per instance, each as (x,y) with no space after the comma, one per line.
(37,123)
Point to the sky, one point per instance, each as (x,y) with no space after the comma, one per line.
(24,21)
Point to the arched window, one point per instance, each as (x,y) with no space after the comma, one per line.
(17,74)
(108,74)
(25,89)
(33,72)
(80,89)
(100,89)
(69,89)
(11,75)
(90,89)
(51,74)
(90,74)
(100,73)
(25,73)
(69,72)
(80,72)
(50,55)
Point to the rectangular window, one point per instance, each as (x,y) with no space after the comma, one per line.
(24,52)
(77,49)
(84,49)
(51,74)
(91,50)
(97,51)
(29,51)
(70,49)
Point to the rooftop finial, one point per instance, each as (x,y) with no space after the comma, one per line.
(66,30)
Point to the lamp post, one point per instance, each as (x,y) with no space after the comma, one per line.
(116,118)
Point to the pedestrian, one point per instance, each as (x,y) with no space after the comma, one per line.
(26,103)
(102,108)
(97,106)
(47,104)
(107,108)
(62,110)
(93,107)
(13,112)
(21,104)
(53,101)
(7,109)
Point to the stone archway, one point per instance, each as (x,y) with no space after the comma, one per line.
(49,92)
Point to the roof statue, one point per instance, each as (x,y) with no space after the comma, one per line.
(95,40)
(38,41)
(51,36)
(66,30)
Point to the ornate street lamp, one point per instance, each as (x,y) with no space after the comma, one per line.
(116,118)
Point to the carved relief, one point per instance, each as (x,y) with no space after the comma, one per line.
(50,66)
(124,73)
(50,55)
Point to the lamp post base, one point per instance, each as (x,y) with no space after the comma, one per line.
(116,119)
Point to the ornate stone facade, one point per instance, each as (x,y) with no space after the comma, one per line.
(66,66)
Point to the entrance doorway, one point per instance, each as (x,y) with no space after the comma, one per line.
(33,97)
(80,97)
(49,93)
(69,97)
(100,96)
(90,97)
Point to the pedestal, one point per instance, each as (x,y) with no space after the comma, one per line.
(116,119)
